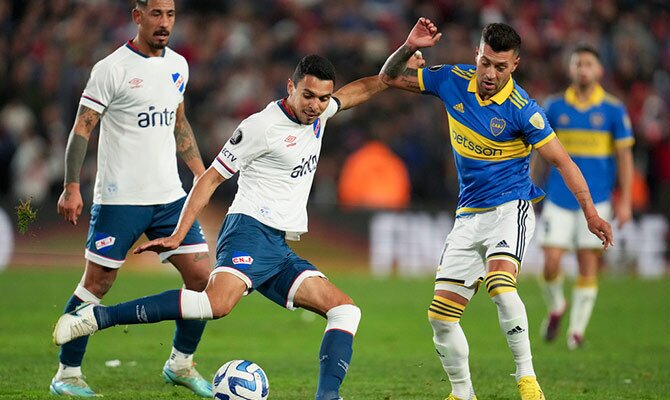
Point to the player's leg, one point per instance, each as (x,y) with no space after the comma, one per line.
(319,295)
(514,225)
(458,276)
(191,259)
(586,287)
(558,235)
(112,231)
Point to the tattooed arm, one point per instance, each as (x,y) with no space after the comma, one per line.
(396,72)
(70,203)
(187,147)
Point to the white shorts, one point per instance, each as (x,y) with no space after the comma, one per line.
(499,234)
(567,229)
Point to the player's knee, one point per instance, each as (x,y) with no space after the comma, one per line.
(345,317)
(443,313)
(221,309)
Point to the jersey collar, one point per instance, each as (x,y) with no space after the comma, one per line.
(498,98)
(597,96)
(287,111)
(137,51)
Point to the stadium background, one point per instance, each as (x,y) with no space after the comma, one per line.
(240,54)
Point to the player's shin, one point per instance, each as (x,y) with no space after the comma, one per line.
(72,353)
(451,345)
(145,310)
(583,299)
(336,349)
(501,287)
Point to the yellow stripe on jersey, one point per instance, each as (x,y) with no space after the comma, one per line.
(445,310)
(419,75)
(471,144)
(471,210)
(545,140)
(625,142)
(517,100)
(498,282)
(586,143)
(463,74)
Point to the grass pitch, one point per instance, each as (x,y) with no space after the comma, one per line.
(626,356)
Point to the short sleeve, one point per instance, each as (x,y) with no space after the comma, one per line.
(622,130)
(431,79)
(100,88)
(246,143)
(535,126)
(332,108)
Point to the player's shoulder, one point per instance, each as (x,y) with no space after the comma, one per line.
(464,71)
(612,100)
(520,98)
(553,100)
(114,60)
(173,56)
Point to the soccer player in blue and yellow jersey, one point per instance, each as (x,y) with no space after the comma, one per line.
(493,125)
(595,130)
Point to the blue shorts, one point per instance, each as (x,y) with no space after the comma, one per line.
(259,256)
(115,228)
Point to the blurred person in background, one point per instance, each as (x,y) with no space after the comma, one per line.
(137,94)
(595,130)
(493,127)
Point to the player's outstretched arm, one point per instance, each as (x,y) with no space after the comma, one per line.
(197,199)
(187,147)
(555,154)
(70,203)
(396,72)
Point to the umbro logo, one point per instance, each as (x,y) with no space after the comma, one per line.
(502,244)
(290,141)
(459,107)
(135,83)
(515,330)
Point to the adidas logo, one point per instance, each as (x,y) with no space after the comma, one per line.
(503,244)
(459,107)
(515,330)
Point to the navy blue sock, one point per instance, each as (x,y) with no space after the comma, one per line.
(188,334)
(72,353)
(145,310)
(334,356)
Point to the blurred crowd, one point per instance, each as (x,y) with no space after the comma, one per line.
(242,52)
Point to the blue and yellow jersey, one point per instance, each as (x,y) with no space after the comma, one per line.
(590,132)
(491,139)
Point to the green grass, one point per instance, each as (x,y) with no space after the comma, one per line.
(627,353)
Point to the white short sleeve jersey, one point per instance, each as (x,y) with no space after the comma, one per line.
(138,98)
(276,156)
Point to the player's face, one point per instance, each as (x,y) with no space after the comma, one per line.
(309,97)
(493,69)
(585,69)
(155,22)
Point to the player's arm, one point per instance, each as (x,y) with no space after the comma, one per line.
(396,72)
(555,154)
(197,200)
(187,147)
(624,160)
(70,202)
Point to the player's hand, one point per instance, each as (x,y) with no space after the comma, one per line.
(623,213)
(416,61)
(160,245)
(70,203)
(602,229)
(424,34)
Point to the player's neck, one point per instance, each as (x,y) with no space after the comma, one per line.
(144,48)
(583,93)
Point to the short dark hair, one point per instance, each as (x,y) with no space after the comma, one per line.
(586,48)
(314,65)
(501,37)
(141,3)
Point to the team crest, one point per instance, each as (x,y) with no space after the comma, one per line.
(596,119)
(103,242)
(241,259)
(497,126)
(237,137)
(564,119)
(179,82)
(317,127)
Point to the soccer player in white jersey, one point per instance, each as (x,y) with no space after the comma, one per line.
(276,152)
(137,94)
(493,127)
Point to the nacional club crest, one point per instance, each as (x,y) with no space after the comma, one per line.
(179,82)
(317,127)
(242,259)
(497,126)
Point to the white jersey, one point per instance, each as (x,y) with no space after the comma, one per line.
(277,157)
(138,98)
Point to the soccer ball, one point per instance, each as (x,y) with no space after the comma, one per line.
(240,380)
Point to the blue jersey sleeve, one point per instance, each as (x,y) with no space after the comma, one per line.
(433,79)
(534,125)
(621,129)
